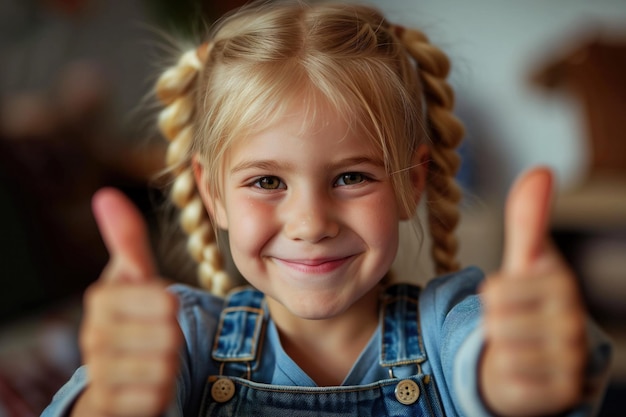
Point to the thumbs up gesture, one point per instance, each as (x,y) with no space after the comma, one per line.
(535,349)
(129,337)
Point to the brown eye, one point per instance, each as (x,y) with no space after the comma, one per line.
(269,183)
(350,178)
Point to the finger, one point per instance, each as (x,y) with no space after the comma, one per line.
(130,302)
(146,338)
(138,338)
(526,220)
(146,369)
(540,393)
(555,290)
(130,401)
(125,235)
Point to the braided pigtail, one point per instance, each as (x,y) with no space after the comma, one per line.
(446,133)
(175,89)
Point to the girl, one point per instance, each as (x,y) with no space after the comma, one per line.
(308,133)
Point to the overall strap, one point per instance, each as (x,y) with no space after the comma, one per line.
(401,337)
(241,327)
(242,323)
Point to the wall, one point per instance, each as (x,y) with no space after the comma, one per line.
(494,46)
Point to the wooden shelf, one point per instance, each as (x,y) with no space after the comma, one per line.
(598,204)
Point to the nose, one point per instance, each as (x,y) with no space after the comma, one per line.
(310,216)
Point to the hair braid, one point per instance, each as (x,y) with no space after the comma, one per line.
(175,90)
(446,133)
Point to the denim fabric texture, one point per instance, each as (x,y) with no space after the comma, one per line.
(402,341)
(377,399)
(241,324)
(401,348)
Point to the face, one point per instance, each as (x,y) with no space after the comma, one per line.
(311,214)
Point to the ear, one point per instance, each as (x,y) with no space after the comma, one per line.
(213,203)
(417,175)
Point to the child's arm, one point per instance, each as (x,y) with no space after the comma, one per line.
(535,323)
(130,337)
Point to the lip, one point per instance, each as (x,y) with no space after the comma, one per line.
(314,266)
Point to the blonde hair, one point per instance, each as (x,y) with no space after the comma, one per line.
(388,80)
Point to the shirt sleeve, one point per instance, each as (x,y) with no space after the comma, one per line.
(64,399)
(451,316)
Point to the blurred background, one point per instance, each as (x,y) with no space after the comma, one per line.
(537,83)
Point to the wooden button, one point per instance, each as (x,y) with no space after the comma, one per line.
(407,392)
(223,390)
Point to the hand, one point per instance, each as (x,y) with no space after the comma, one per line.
(534,317)
(129,337)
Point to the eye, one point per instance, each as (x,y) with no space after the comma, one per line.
(350,178)
(269,183)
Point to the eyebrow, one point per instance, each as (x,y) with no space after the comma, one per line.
(263,164)
(357,160)
(272,165)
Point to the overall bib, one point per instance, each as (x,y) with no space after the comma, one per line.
(239,340)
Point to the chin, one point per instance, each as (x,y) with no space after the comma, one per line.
(314,308)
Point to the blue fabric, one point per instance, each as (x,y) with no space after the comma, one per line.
(450,319)
(376,399)
(402,342)
(400,348)
(240,327)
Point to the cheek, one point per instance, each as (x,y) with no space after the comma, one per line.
(386,233)
(378,225)
(250,225)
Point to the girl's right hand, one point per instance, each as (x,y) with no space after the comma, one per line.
(129,337)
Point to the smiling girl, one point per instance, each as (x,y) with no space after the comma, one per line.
(308,133)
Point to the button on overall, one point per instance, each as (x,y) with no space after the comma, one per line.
(223,390)
(407,391)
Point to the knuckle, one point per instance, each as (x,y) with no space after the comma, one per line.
(99,300)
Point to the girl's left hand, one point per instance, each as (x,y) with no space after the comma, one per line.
(535,320)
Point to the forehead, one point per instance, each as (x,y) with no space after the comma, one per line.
(306,112)
(304,104)
(307,127)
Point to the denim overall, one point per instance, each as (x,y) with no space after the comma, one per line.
(237,348)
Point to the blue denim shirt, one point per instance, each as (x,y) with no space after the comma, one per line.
(450,321)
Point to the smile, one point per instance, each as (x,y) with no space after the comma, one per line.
(314,266)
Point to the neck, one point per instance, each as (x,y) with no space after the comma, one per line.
(326,349)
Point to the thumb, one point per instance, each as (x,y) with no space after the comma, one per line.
(125,235)
(526,220)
